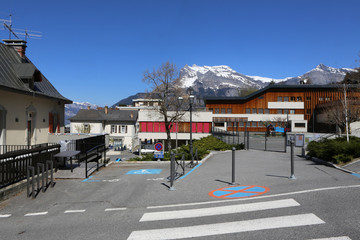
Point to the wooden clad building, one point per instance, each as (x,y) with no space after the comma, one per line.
(272,105)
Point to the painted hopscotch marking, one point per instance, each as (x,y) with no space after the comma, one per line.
(145,171)
(226,228)
(35,214)
(203,212)
(239,191)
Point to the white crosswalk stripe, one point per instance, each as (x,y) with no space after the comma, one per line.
(203,212)
(226,228)
(232,227)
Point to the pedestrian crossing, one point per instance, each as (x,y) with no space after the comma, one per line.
(221,228)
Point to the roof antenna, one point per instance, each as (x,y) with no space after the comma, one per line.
(24,32)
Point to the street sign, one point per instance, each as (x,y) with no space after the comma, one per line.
(158,146)
(159,154)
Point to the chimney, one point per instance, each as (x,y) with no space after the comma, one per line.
(18,44)
(106,109)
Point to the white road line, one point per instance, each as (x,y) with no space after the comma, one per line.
(35,214)
(114,209)
(226,228)
(202,212)
(5,215)
(75,211)
(252,198)
(333,238)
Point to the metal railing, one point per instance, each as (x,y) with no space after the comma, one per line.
(13,165)
(15,148)
(93,155)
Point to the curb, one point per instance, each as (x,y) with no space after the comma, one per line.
(320,161)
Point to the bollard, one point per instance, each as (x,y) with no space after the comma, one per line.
(265,142)
(51,164)
(172,171)
(292,176)
(248,141)
(38,167)
(28,170)
(233,167)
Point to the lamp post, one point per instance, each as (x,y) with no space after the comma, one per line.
(190,91)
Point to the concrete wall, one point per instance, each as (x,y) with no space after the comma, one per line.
(18,108)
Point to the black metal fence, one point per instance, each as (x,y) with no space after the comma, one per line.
(13,165)
(14,148)
(253,140)
(230,137)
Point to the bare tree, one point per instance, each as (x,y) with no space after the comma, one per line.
(346,110)
(166,86)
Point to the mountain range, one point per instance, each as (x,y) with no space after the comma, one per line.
(223,81)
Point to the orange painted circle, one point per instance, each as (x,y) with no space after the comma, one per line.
(241,191)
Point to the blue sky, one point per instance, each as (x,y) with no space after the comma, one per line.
(97,51)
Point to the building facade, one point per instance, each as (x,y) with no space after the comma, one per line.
(276,105)
(119,124)
(30,106)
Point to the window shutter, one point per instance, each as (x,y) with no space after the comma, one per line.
(51,122)
(58,123)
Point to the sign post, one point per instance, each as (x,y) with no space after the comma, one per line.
(159,153)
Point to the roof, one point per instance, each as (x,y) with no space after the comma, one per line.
(14,68)
(114,115)
(277,88)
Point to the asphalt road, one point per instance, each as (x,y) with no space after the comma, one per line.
(322,202)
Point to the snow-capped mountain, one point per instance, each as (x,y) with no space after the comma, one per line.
(72,109)
(224,81)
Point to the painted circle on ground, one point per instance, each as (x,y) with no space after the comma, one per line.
(242,191)
(158,146)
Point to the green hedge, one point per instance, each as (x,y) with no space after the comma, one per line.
(203,146)
(335,150)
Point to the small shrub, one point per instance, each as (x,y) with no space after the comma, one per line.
(342,158)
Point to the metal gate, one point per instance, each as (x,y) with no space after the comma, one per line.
(261,141)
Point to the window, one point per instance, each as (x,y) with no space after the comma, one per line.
(279,99)
(210,109)
(113,128)
(229,110)
(86,128)
(218,124)
(292,111)
(217,110)
(247,110)
(279,111)
(308,98)
(247,124)
(267,111)
(223,110)
(327,99)
(54,123)
(260,110)
(254,111)
(321,99)
(241,124)
(123,129)
(292,99)
(286,99)
(299,125)
(299,99)
(286,111)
